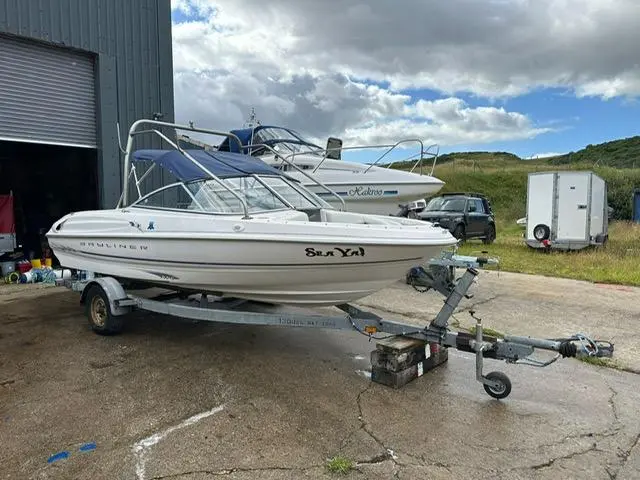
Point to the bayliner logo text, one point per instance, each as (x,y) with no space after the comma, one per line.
(335,252)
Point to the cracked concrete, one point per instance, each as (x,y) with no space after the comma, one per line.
(293,398)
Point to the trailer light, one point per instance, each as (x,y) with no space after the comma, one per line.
(370,329)
(546,243)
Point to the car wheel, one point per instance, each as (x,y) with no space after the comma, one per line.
(458,232)
(490,235)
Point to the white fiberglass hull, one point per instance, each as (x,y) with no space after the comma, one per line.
(277,258)
(364,189)
(375,199)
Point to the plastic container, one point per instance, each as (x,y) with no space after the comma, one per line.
(28,277)
(36,263)
(48,262)
(62,274)
(24,266)
(7,267)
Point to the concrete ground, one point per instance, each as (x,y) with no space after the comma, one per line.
(173,399)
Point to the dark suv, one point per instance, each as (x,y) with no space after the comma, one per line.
(465,215)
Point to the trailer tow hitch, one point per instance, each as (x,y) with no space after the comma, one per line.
(511,348)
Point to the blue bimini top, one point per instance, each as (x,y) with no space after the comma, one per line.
(221,164)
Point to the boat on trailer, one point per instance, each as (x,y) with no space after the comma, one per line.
(212,221)
(363,188)
(232,225)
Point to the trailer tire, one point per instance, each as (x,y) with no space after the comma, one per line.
(98,311)
(505,385)
(541,232)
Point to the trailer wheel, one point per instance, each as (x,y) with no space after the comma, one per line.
(541,232)
(503,390)
(101,320)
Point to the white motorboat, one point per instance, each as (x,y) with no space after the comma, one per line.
(234,226)
(363,188)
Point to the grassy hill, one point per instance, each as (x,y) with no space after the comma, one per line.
(624,153)
(478,157)
(502,176)
(507,189)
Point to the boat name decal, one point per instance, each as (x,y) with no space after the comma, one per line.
(335,252)
(117,246)
(365,192)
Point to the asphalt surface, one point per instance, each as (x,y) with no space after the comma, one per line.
(176,399)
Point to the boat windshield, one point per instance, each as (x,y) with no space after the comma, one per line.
(446,204)
(283,141)
(261,193)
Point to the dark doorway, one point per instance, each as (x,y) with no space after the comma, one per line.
(47,181)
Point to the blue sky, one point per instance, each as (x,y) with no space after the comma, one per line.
(554,77)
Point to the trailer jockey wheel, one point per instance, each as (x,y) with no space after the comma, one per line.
(502,390)
(541,232)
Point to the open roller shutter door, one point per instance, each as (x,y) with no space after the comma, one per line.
(47,94)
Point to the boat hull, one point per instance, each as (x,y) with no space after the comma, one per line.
(375,199)
(252,263)
(363,188)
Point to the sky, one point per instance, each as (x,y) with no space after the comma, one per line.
(532,77)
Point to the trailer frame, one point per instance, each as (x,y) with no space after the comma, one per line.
(107,303)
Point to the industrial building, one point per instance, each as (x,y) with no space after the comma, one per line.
(70,72)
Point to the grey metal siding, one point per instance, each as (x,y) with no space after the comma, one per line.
(46,94)
(132,40)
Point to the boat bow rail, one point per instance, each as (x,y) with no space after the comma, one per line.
(253,139)
(107,301)
(421,156)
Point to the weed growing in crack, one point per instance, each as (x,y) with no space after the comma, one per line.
(340,464)
(490,332)
(601,362)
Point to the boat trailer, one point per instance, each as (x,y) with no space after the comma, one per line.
(106,303)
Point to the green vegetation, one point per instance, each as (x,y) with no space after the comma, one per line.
(618,262)
(478,157)
(486,332)
(340,464)
(507,187)
(603,362)
(623,153)
(503,178)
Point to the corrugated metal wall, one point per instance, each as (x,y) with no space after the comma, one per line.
(132,40)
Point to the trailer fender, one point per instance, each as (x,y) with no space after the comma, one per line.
(114,291)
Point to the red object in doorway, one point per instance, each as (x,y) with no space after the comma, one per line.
(7,219)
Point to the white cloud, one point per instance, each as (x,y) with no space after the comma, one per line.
(314,66)
(545,155)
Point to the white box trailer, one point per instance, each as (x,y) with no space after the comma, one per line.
(566,210)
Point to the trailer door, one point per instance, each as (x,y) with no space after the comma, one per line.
(573,206)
